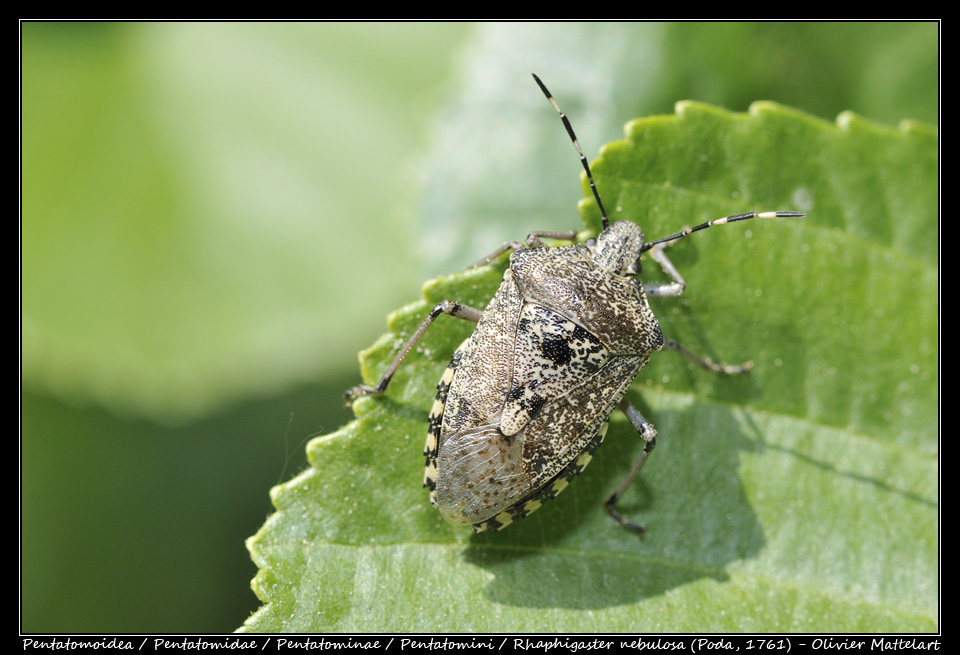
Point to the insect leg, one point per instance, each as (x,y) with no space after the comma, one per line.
(446,307)
(673,289)
(532,241)
(707,363)
(649,435)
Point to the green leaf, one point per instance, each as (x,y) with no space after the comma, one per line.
(800,497)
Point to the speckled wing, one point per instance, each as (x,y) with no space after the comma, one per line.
(482,474)
(483,471)
(484,371)
(582,411)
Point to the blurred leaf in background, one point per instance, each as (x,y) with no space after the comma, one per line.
(191,192)
(194,199)
(217,216)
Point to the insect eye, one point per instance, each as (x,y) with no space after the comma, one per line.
(634,268)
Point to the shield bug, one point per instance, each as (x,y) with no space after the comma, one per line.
(525,400)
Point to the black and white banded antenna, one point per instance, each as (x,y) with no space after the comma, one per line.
(673,237)
(576,144)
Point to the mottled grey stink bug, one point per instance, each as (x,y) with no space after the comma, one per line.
(526,398)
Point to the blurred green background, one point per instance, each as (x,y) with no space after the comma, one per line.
(216,217)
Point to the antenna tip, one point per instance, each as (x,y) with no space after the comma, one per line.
(543,88)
